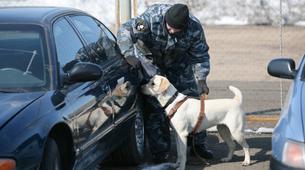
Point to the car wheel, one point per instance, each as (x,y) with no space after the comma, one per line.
(137,140)
(51,157)
(133,152)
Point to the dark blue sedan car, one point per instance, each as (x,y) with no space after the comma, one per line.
(67,97)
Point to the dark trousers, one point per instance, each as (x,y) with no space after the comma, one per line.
(156,126)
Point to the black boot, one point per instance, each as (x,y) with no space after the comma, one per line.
(200,151)
(198,148)
(161,158)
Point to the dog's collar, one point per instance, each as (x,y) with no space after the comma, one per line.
(171,100)
(174,109)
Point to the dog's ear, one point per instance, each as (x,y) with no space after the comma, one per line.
(164,84)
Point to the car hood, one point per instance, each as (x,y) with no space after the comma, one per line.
(13,103)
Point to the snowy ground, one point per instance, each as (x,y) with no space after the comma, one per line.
(217,12)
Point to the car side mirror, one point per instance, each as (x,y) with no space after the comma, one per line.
(80,72)
(282,68)
(83,72)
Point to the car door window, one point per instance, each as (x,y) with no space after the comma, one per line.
(83,100)
(68,46)
(101,46)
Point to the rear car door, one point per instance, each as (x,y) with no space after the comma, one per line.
(103,50)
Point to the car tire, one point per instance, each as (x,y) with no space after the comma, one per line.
(51,156)
(133,152)
(136,141)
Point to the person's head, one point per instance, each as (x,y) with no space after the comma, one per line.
(176,18)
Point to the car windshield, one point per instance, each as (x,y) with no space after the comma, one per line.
(23,66)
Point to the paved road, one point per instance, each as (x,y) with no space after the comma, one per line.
(257,96)
(260,145)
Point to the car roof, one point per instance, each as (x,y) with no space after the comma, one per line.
(34,15)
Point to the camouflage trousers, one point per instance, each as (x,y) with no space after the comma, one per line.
(156,122)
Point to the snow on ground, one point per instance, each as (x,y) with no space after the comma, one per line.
(300,23)
(104,10)
(218,12)
(227,20)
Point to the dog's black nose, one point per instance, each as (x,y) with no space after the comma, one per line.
(128,85)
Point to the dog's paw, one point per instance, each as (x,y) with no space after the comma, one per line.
(245,163)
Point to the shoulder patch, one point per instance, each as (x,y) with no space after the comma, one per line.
(140,25)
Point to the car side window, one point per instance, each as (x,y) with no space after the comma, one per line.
(68,45)
(101,47)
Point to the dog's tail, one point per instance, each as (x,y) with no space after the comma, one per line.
(238,95)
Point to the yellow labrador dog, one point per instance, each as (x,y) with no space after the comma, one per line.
(226,114)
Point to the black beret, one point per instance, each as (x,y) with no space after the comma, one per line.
(177,16)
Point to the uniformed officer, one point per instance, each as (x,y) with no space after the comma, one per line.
(178,48)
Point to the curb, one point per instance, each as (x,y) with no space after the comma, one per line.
(263,118)
(261,130)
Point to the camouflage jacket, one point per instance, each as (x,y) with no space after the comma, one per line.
(189,47)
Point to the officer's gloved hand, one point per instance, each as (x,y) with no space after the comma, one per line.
(133,61)
(203,86)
